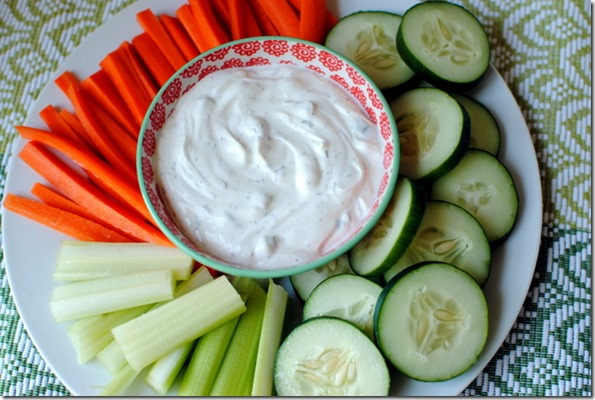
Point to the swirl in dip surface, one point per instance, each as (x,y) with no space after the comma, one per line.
(268,167)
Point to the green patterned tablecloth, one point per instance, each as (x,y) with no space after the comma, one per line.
(542,48)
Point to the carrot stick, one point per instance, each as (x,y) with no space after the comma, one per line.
(52,198)
(66,222)
(179,36)
(120,71)
(114,133)
(110,185)
(264,22)
(212,31)
(65,80)
(99,86)
(118,149)
(75,124)
(313,20)
(55,123)
(329,21)
(282,15)
(151,24)
(117,186)
(242,20)
(153,58)
(221,11)
(186,18)
(82,192)
(139,69)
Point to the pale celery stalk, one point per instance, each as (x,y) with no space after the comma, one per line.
(236,373)
(198,278)
(165,370)
(120,382)
(111,357)
(156,333)
(270,339)
(80,260)
(91,335)
(99,296)
(205,360)
(82,299)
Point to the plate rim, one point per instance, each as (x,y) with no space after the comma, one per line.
(456,384)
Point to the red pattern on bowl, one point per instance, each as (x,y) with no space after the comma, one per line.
(254,52)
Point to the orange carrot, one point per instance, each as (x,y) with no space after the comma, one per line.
(116,185)
(282,15)
(52,198)
(65,80)
(264,22)
(212,32)
(66,222)
(139,69)
(114,133)
(242,20)
(99,86)
(75,124)
(122,74)
(179,36)
(153,58)
(118,149)
(221,11)
(313,20)
(186,18)
(55,123)
(151,24)
(329,21)
(82,192)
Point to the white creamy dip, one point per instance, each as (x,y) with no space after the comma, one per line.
(268,167)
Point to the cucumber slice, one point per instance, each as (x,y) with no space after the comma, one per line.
(448,233)
(445,44)
(305,282)
(391,236)
(434,131)
(482,185)
(347,296)
(328,356)
(485,131)
(431,321)
(368,39)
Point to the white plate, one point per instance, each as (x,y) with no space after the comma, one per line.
(30,249)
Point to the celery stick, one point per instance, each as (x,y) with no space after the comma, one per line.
(80,260)
(165,370)
(236,373)
(120,381)
(154,334)
(196,279)
(98,296)
(206,359)
(90,335)
(270,339)
(112,358)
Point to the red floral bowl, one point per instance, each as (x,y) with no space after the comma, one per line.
(259,52)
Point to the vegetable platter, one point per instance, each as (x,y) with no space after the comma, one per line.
(31,249)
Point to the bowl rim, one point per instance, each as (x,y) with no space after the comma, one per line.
(229,268)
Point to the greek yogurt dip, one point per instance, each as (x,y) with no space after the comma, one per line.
(268,167)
